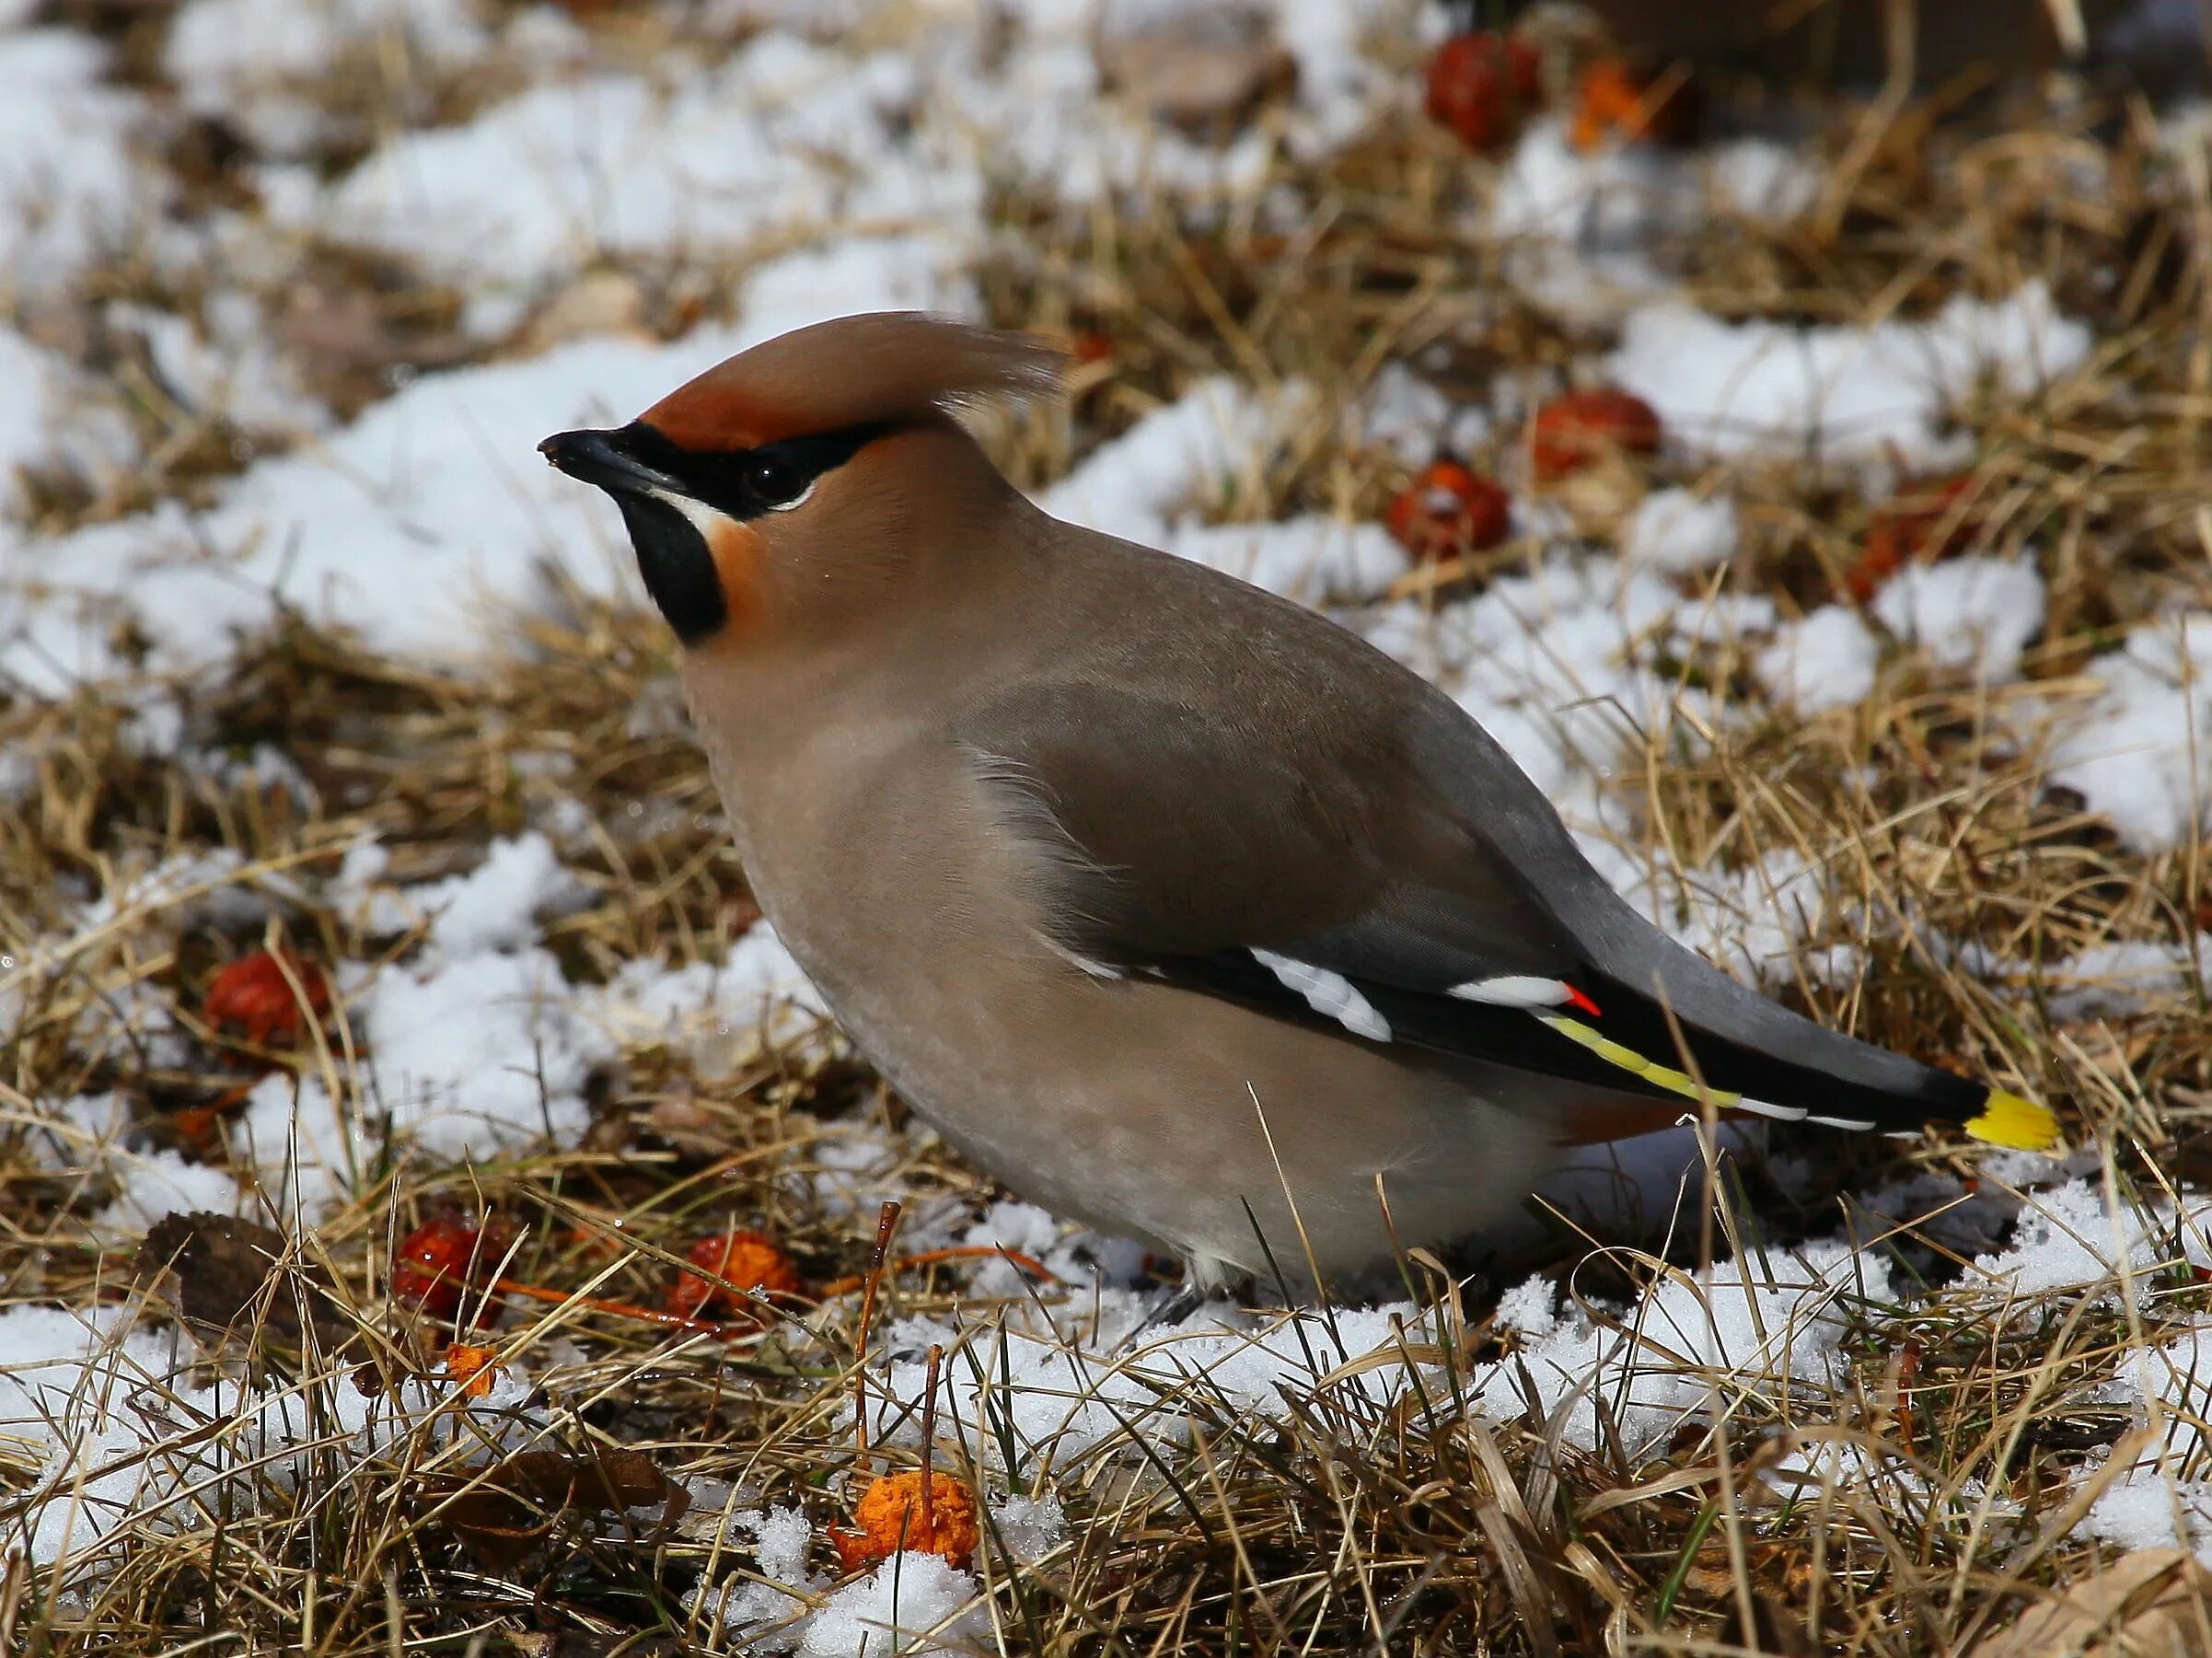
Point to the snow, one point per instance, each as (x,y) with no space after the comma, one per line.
(757,999)
(1866,399)
(53,420)
(912,1603)
(1976,612)
(126,1437)
(495,906)
(519,197)
(2115,980)
(487,1054)
(1183,458)
(225,366)
(409,527)
(160,1184)
(71,193)
(267,66)
(1691,1343)
(1674,531)
(1826,660)
(1031,1528)
(2134,750)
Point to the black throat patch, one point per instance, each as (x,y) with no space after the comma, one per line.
(678,567)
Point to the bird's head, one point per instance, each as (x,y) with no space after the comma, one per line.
(794,485)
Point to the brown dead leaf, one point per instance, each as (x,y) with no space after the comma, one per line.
(237,1277)
(510,1509)
(2153,1603)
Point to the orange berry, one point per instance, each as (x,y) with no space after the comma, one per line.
(892,1515)
(475,1368)
(1577,428)
(745,1260)
(1615,97)
(1449,509)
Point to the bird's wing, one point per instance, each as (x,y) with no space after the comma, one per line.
(1389,873)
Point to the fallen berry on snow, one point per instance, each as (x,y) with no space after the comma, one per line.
(253,997)
(1449,508)
(475,1368)
(1579,428)
(892,1517)
(744,1259)
(1480,84)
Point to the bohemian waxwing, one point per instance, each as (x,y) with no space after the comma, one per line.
(1179,908)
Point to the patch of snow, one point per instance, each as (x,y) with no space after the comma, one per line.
(1030,1527)
(416,527)
(1676,532)
(1974,612)
(1781,1318)
(1203,451)
(1864,398)
(914,1602)
(1309,558)
(72,191)
(1827,660)
(163,1183)
(53,418)
(497,905)
(2135,751)
(265,66)
(480,1055)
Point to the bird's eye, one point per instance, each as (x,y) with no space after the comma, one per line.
(778,484)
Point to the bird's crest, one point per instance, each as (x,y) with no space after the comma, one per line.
(882,367)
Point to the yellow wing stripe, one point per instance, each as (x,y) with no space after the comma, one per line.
(1634,1064)
(2007,1119)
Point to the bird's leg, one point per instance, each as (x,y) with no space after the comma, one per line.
(1176,1303)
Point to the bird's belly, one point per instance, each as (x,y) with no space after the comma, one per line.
(1147,1112)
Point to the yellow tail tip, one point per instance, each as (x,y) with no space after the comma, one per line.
(2007,1119)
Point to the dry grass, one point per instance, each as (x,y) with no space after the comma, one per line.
(1956,1446)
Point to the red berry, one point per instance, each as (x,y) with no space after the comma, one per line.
(1449,509)
(1907,529)
(1480,84)
(253,997)
(434,1264)
(744,1258)
(1579,427)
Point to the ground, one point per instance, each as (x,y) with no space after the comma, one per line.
(386,1028)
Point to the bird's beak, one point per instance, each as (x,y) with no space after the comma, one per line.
(600,458)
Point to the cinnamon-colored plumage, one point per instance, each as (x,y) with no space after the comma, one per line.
(1173,904)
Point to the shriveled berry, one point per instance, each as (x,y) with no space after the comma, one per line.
(744,1260)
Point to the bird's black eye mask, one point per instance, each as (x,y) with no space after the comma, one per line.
(748,483)
(652,480)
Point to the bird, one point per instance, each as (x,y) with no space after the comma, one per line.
(1176,906)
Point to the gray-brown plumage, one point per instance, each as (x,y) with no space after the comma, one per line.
(1168,902)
